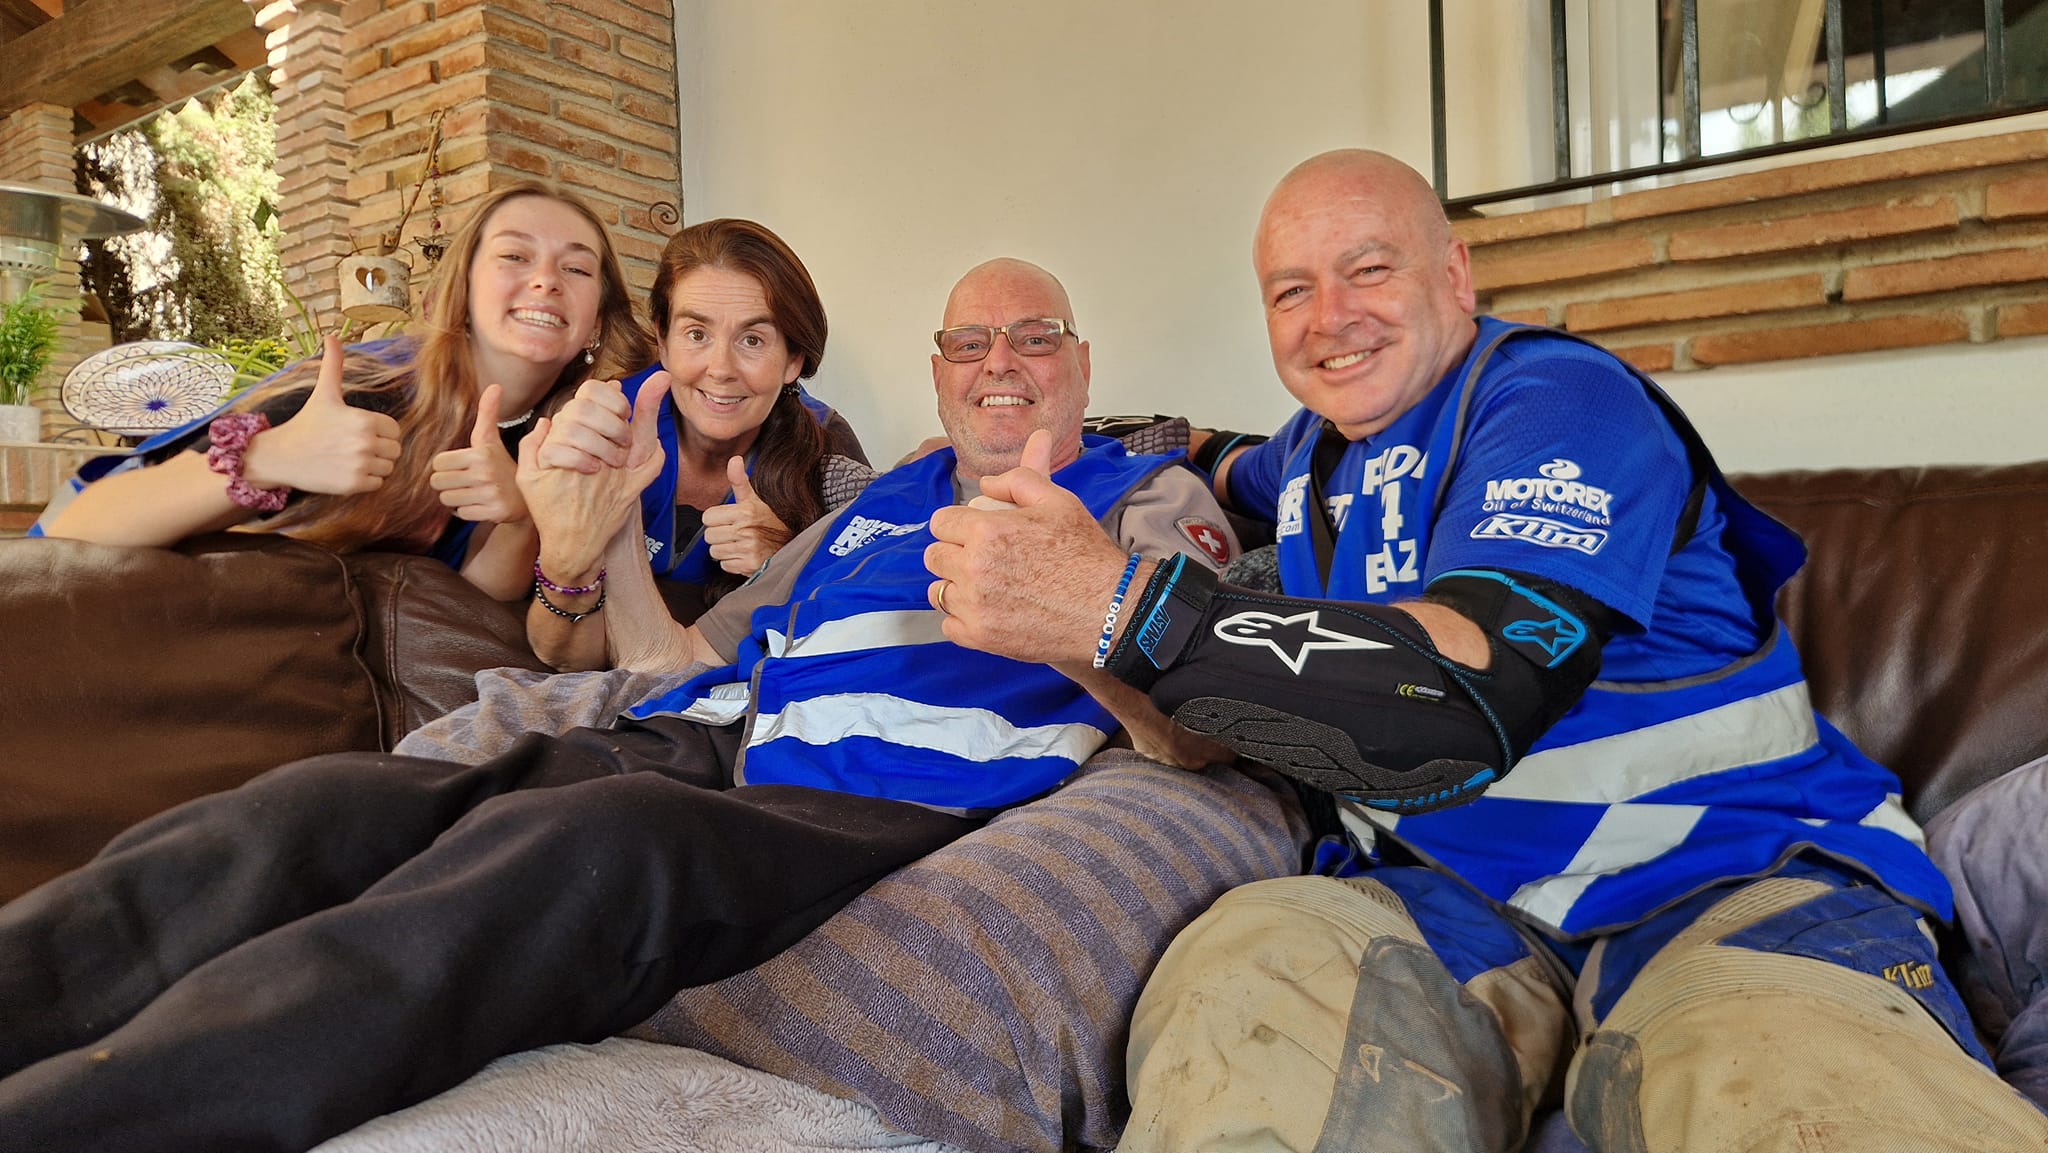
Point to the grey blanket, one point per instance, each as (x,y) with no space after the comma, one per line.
(1993,845)
(627,1097)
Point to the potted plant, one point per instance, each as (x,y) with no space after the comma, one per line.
(28,339)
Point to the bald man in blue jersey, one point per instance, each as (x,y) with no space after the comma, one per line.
(1592,845)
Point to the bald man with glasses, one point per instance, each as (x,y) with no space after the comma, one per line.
(273,965)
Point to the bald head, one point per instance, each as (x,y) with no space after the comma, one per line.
(1007,274)
(1024,381)
(1368,295)
(1360,173)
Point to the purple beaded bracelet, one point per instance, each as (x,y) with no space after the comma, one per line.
(230,435)
(541,579)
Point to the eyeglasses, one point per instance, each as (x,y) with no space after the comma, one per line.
(971,342)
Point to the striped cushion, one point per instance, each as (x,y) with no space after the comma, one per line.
(982,996)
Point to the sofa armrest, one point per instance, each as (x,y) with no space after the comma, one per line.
(132,679)
(427,632)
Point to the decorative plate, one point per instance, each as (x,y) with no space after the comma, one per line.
(147,386)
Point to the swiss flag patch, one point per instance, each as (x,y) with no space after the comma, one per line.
(1206,536)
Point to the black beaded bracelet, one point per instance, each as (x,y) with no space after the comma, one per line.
(540,594)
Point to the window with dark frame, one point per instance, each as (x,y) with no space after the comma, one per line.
(1745,78)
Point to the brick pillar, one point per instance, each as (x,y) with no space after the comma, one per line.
(580,92)
(36,149)
(307,70)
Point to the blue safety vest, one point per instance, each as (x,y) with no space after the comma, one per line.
(851,686)
(1654,786)
(686,560)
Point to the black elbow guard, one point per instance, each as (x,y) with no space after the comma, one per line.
(1353,698)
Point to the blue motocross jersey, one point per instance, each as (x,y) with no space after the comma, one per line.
(850,684)
(1696,756)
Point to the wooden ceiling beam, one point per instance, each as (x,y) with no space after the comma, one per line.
(17,17)
(247,49)
(97,45)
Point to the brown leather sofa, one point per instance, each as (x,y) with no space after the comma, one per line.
(133,679)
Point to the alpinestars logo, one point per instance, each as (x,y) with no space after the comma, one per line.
(1557,637)
(862,531)
(1292,639)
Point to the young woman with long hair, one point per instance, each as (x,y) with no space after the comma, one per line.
(404,444)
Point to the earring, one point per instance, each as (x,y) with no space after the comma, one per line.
(590,356)
(790,390)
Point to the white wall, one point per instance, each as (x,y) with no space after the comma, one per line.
(884,140)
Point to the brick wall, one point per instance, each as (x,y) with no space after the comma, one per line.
(303,39)
(1932,244)
(35,149)
(581,92)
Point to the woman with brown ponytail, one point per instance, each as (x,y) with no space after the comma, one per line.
(749,458)
(404,444)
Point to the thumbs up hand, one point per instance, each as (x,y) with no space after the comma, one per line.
(481,482)
(577,512)
(328,446)
(1024,570)
(744,534)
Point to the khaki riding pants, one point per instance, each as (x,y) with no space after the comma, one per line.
(1315,1014)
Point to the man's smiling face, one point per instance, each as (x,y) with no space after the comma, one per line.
(1368,299)
(990,407)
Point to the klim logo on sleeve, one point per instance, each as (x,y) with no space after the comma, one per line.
(1539,530)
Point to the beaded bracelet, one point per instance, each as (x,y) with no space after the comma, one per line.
(230,435)
(540,594)
(540,580)
(1116,605)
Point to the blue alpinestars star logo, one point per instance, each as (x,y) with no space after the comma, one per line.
(1290,638)
(1557,637)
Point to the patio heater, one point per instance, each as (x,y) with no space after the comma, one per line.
(35,223)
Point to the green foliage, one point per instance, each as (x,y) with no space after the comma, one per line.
(300,339)
(28,339)
(207,269)
(254,359)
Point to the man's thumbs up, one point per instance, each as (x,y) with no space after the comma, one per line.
(1027,484)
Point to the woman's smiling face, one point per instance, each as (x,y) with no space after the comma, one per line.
(535,284)
(726,358)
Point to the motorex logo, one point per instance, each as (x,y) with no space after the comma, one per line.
(1555,488)
(1542,531)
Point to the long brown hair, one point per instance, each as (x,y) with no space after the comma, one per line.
(790,446)
(437,384)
